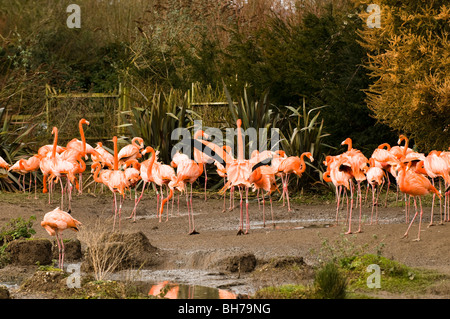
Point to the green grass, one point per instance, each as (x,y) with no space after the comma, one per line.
(396,279)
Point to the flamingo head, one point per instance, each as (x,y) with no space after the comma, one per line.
(382,146)
(348,141)
(239,123)
(309,155)
(84,121)
(54,130)
(401,138)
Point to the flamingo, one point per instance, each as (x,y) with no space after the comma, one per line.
(375,178)
(292,164)
(55,222)
(21,171)
(146,175)
(385,157)
(436,167)
(31,165)
(117,182)
(339,179)
(48,157)
(263,177)
(238,172)
(3,164)
(202,158)
(354,163)
(131,151)
(68,168)
(187,172)
(102,156)
(163,174)
(76,146)
(416,185)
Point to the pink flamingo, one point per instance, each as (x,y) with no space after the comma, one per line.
(188,171)
(238,172)
(55,222)
(263,178)
(354,163)
(146,176)
(292,165)
(375,178)
(436,167)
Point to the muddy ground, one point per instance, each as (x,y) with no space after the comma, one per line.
(299,233)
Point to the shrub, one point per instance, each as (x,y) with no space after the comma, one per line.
(330,283)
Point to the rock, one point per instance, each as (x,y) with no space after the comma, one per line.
(29,252)
(128,251)
(72,250)
(4,293)
(241,263)
(45,281)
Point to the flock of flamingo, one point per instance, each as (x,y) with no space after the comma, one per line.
(414,172)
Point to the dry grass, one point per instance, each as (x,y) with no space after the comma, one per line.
(102,254)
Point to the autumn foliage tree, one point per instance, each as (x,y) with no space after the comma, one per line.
(409,62)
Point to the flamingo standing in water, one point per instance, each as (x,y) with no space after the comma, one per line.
(292,165)
(55,222)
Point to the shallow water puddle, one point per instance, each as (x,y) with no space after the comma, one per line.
(167,289)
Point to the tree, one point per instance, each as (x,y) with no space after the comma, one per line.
(409,62)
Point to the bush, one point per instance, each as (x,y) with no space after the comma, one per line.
(330,283)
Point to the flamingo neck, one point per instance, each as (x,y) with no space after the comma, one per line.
(55,142)
(302,163)
(388,147)
(152,160)
(83,138)
(97,168)
(349,144)
(22,164)
(116,156)
(240,142)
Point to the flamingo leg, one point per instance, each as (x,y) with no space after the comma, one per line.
(246,212)
(193,232)
(360,207)
(133,213)
(387,191)
(287,192)
(373,204)
(206,178)
(415,215)
(351,209)
(59,249)
(271,209)
(338,193)
(224,197)
(115,210)
(241,215)
(264,209)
